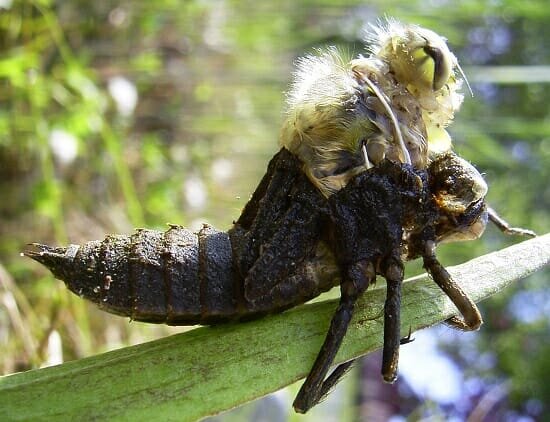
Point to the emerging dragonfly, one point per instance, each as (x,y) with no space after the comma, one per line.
(365,180)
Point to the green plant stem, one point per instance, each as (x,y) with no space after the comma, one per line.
(202,372)
(113,146)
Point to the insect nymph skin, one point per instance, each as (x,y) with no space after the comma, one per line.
(365,180)
(179,277)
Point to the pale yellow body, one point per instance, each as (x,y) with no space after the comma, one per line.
(347,115)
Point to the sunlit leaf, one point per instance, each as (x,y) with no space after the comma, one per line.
(211,369)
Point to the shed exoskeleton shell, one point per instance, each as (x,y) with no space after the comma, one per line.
(289,245)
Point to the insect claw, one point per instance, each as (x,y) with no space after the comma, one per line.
(505,227)
(408,339)
(520,232)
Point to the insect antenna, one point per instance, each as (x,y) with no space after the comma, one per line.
(465,78)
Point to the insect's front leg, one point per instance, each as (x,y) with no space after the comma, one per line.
(471,317)
(316,387)
(504,227)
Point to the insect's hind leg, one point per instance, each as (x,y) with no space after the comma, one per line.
(316,387)
(504,227)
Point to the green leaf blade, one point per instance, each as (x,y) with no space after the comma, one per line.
(208,370)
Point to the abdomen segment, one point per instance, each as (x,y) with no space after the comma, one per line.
(175,277)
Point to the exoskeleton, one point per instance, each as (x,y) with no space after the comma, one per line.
(289,245)
(179,277)
(365,181)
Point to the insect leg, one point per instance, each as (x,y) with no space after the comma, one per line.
(315,386)
(504,227)
(408,339)
(471,318)
(392,319)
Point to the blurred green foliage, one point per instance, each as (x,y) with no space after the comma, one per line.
(122,114)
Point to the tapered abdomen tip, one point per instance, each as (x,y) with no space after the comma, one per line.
(56,259)
(67,264)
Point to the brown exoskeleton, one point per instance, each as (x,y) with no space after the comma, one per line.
(364,182)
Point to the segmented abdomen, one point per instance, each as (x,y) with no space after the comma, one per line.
(175,277)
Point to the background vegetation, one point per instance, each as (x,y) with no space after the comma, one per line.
(120,114)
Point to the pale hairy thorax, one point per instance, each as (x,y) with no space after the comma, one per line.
(345,115)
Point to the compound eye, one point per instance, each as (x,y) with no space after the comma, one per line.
(442,66)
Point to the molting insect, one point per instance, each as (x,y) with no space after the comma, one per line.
(365,180)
